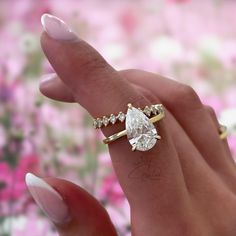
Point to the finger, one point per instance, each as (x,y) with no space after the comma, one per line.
(70,208)
(190,158)
(52,87)
(102,91)
(217,125)
(188,110)
(81,68)
(198,175)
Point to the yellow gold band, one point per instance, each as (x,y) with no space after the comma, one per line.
(223,132)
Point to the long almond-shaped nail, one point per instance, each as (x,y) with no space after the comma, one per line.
(48,199)
(57,28)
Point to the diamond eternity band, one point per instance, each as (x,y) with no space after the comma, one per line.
(104,121)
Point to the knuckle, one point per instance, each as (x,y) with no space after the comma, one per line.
(211,112)
(147,94)
(91,63)
(92,69)
(186,96)
(187,92)
(128,72)
(151,98)
(137,100)
(88,61)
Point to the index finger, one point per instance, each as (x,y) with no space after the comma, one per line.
(102,91)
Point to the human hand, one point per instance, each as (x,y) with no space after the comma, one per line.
(184,185)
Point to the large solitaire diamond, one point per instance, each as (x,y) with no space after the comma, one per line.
(141,133)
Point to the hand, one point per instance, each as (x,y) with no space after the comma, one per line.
(185,185)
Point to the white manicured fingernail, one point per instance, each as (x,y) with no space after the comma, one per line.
(57,28)
(48,199)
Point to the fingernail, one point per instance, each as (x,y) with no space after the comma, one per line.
(57,28)
(48,199)
(48,78)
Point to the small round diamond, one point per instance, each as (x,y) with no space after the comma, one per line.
(113,119)
(147,111)
(105,120)
(154,110)
(160,108)
(121,116)
(95,123)
(99,123)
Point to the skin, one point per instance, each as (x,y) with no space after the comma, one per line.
(185,185)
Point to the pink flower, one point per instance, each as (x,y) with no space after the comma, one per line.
(232,145)
(111,190)
(28,163)
(12,183)
(179,1)
(23,226)
(215,102)
(3,139)
(128,20)
(27,12)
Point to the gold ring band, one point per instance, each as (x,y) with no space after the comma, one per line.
(140,131)
(123,133)
(223,132)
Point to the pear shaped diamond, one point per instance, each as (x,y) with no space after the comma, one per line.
(141,133)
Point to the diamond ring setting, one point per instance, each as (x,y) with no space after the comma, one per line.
(121,116)
(140,130)
(139,126)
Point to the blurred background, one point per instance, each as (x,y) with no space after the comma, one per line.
(190,41)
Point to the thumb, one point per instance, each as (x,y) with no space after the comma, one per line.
(69,207)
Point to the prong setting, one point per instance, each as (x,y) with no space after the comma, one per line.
(129,105)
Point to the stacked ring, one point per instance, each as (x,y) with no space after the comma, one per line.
(140,131)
